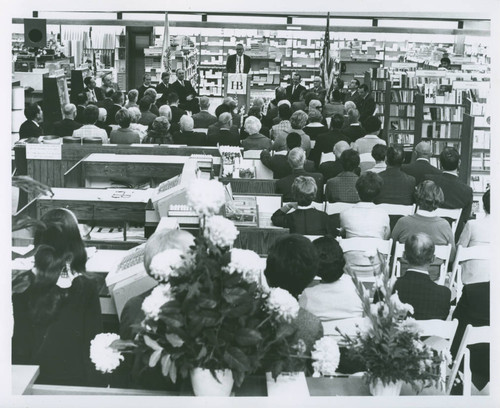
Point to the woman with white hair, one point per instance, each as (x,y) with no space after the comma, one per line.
(298,121)
(255,141)
(135,115)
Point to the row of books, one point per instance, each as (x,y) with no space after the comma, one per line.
(403,80)
(441,131)
(435,93)
(402,111)
(402,124)
(442,113)
(378,85)
(402,96)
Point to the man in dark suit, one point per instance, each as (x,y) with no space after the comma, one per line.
(456,193)
(81,103)
(429,300)
(330,169)
(366,103)
(238,63)
(163,89)
(296,159)
(353,93)
(278,163)
(107,102)
(186,135)
(223,132)
(146,84)
(94,93)
(31,127)
(398,187)
(203,119)
(177,113)
(118,100)
(353,131)
(66,126)
(318,89)
(185,91)
(325,141)
(294,90)
(421,166)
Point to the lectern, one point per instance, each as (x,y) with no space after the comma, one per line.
(238,86)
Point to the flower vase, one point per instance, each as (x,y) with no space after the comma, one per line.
(205,385)
(287,384)
(378,388)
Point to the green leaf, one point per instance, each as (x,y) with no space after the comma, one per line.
(247,337)
(173,373)
(166,362)
(172,320)
(152,343)
(194,290)
(155,357)
(202,353)
(285,330)
(174,339)
(123,345)
(236,359)
(234,295)
(207,303)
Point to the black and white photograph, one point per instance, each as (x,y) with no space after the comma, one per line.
(250,203)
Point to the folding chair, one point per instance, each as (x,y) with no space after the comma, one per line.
(201,130)
(453,214)
(440,333)
(336,208)
(478,252)
(396,211)
(252,154)
(472,335)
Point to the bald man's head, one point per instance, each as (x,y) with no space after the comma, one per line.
(339,148)
(419,250)
(423,150)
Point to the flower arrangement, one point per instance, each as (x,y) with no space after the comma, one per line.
(391,347)
(213,308)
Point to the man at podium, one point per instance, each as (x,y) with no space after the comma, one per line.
(238,63)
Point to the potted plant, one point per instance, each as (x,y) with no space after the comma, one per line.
(212,317)
(391,348)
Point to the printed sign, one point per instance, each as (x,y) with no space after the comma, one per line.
(237,84)
(43,151)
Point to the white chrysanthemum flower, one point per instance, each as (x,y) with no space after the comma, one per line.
(400,306)
(326,356)
(152,304)
(220,231)
(105,358)
(282,302)
(165,264)
(206,196)
(247,263)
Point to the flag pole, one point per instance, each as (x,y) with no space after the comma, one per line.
(165,55)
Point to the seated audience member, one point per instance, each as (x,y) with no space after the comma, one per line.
(94,93)
(298,120)
(366,104)
(107,101)
(429,300)
(177,113)
(118,101)
(314,126)
(291,265)
(133,97)
(474,308)
(477,232)
(296,159)
(186,135)
(146,84)
(227,105)
(278,162)
(132,314)
(342,188)
(365,144)
(151,92)
(89,129)
(456,193)
(165,111)
(31,128)
(256,112)
(398,187)
(163,88)
(159,132)
(284,127)
(428,197)
(379,152)
(272,108)
(124,135)
(81,103)
(335,106)
(255,140)
(353,130)
(102,120)
(67,125)
(325,141)
(421,166)
(331,169)
(187,94)
(147,117)
(223,132)
(59,313)
(203,119)
(301,104)
(107,83)
(135,116)
(300,216)
(365,219)
(335,297)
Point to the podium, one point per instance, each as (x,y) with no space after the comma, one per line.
(238,86)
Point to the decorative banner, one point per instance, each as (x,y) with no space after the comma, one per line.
(237,84)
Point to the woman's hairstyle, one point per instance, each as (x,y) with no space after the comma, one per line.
(132,95)
(252,125)
(123,118)
(349,105)
(292,263)
(304,190)
(135,114)
(353,116)
(161,125)
(60,231)
(46,296)
(428,196)
(298,119)
(331,259)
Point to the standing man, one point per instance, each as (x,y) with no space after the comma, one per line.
(353,93)
(294,90)
(238,63)
(366,104)
(185,91)
(318,89)
(146,83)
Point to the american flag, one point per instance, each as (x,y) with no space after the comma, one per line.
(166,62)
(327,65)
